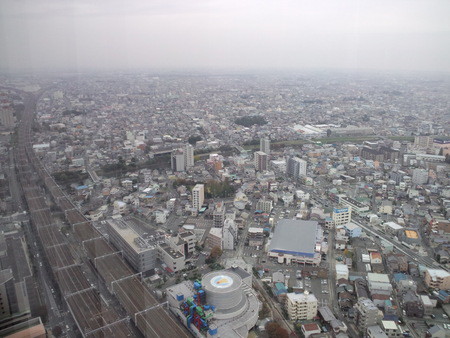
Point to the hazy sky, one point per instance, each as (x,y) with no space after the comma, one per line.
(217,34)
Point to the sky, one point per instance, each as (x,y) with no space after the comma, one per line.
(80,35)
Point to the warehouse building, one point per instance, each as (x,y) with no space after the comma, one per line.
(296,241)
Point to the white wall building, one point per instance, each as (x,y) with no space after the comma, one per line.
(229,234)
(264,145)
(189,156)
(296,167)
(301,306)
(342,215)
(198,196)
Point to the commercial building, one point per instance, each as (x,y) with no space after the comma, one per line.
(296,241)
(296,167)
(264,145)
(301,306)
(223,304)
(261,161)
(198,196)
(342,215)
(136,250)
(437,279)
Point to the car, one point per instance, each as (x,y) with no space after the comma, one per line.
(444,316)
(432,316)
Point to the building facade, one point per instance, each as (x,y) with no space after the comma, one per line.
(261,161)
(198,196)
(296,167)
(301,306)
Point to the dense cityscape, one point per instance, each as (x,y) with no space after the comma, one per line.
(288,204)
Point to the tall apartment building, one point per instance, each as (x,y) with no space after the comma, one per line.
(264,145)
(367,314)
(198,196)
(138,252)
(342,215)
(229,234)
(189,156)
(177,161)
(296,167)
(423,142)
(219,215)
(301,306)
(261,161)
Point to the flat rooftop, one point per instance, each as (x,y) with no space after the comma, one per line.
(295,237)
(411,234)
(174,254)
(129,235)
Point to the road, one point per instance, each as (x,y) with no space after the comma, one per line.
(423,260)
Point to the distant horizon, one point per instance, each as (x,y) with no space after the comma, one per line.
(216,35)
(224,71)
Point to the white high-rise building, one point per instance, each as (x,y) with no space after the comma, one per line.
(301,306)
(219,215)
(189,156)
(229,234)
(296,167)
(198,196)
(264,145)
(177,161)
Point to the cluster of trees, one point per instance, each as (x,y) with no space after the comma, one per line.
(64,177)
(214,189)
(248,121)
(194,139)
(120,167)
(274,330)
(214,255)
(72,112)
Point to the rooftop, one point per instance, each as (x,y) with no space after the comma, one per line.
(438,273)
(136,242)
(301,297)
(411,234)
(294,236)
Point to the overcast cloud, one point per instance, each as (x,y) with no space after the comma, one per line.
(224,34)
